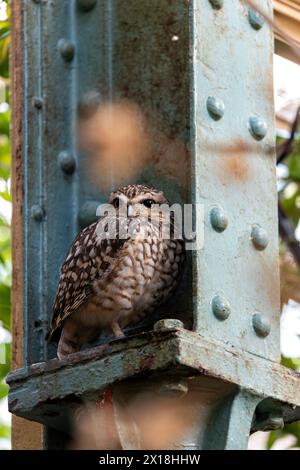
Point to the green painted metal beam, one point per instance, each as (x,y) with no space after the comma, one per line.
(201,74)
(34,387)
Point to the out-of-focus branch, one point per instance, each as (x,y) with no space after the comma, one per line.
(286,228)
(285,149)
(287,233)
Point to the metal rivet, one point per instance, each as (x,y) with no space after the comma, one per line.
(257,127)
(217,4)
(67,162)
(218,219)
(37,212)
(255,19)
(220,307)
(261,325)
(66,49)
(215,107)
(86,5)
(168,324)
(37,102)
(259,237)
(88,213)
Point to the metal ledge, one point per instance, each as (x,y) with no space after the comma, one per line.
(43,392)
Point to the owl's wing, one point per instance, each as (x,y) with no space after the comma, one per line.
(88,259)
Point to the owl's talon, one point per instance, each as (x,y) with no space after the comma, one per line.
(117,330)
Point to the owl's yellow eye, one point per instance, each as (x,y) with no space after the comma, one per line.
(149,203)
(116,202)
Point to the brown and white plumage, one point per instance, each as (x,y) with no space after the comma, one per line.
(112,283)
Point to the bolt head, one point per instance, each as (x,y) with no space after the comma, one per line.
(67,162)
(261,325)
(66,49)
(37,102)
(86,5)
(216,4)
(168,324)
(218,219)
(215,107)
(255,19)
(37,212)
(259,237)
(220,307)
(257,127)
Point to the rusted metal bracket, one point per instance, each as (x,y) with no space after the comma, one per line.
(47,391)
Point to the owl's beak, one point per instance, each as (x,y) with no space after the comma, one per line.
(130,211)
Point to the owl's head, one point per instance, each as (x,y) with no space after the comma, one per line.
(138,198)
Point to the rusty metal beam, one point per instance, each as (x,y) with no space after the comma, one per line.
(33,388)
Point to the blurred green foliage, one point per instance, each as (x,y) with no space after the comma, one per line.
(5,210)
(289,429)
(290,193)
(289,196)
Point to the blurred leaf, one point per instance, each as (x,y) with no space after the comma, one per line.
(273,436)
(4,131)
(289,199)
(4,431)
(3,389)
(5,126)
(5,305)
(289,429)
(5,242)
(294,167)
(291,363)
(5,368)
(5,196)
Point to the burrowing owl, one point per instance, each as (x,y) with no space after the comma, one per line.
(114,280)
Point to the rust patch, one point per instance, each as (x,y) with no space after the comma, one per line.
(234,161)
(236,167)
(146,363)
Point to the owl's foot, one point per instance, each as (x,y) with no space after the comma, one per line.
(117,330)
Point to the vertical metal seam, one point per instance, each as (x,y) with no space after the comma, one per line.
(26,210)
(110,33)
(43,198)
(193,132)
(73,112)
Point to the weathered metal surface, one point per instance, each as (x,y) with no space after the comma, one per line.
(89,371)
(208,111)
(24,434)
(230,424)
(235,168)
(50,194)
(80,55)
